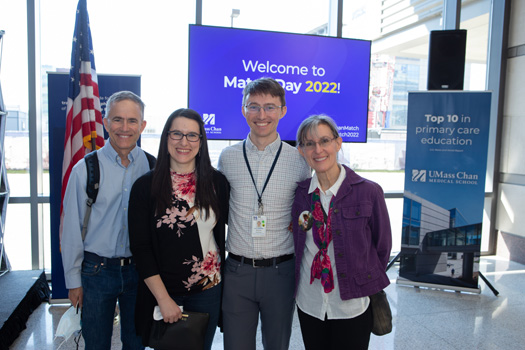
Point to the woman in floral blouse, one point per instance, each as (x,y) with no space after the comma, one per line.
(177,217)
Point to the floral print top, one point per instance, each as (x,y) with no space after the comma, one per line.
(192,262)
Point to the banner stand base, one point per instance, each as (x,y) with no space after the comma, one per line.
(403,281)
(396,258)
(488,284)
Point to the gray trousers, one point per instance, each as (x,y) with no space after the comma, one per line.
(252,292)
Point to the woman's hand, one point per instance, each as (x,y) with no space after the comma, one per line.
(170,311)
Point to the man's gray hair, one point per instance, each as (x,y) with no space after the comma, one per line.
(122,96)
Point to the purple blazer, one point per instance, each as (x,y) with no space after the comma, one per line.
(361,235)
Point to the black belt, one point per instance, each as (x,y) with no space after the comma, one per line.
(261,262)
(107,261)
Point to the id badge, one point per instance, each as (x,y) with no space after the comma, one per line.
(259,226)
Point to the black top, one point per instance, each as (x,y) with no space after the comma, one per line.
(168,246)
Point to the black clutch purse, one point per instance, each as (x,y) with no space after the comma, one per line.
(381,313)
(185,334)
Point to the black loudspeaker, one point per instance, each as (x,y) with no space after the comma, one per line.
(446,59)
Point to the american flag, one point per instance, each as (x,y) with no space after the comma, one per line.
(84,130)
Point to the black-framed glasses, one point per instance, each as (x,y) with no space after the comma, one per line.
(323,142)
(177,136)
(268,109)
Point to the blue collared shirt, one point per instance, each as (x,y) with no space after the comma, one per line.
(107,233)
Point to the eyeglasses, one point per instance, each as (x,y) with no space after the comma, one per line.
(323,142)
(177,136)
(268,109)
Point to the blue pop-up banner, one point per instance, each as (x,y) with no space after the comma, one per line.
(446,162)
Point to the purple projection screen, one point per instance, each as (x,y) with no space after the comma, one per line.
(321,75)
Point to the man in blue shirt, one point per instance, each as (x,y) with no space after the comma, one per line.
(99,271)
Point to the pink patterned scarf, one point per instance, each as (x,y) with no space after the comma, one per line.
(321,266)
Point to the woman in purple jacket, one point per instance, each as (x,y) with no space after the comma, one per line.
(342,243)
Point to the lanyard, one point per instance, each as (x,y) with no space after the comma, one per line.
(259,195)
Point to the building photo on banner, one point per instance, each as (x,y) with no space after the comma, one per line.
(447,140)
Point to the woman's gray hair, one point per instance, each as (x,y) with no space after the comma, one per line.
(310,124)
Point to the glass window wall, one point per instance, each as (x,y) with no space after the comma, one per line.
(150,39)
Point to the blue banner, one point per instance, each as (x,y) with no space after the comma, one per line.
(446,162)
(57,104)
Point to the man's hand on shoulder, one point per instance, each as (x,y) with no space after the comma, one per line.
(76,296)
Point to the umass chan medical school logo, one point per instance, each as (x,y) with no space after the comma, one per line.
(443,177)
(209,124)
(419,175)
(209,119)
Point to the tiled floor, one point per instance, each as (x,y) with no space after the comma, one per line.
(423,318)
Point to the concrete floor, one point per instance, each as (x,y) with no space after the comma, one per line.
(424,318)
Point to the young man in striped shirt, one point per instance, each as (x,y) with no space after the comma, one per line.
(263,172)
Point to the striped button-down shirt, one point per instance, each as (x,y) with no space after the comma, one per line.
(277,198)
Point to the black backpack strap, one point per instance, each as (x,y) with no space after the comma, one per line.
(151,160)
(93,175)
(93,180)
(93,183)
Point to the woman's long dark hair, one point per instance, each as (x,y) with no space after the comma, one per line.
(161,187)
